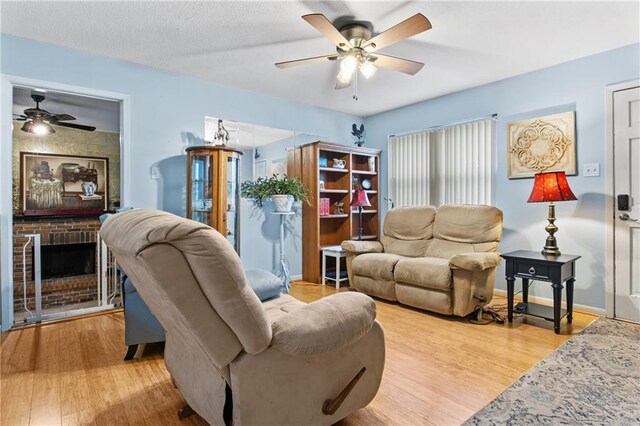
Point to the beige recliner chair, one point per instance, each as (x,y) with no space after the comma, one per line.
(442,260)
(237,359)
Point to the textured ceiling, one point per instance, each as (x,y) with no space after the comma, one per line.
(237,43)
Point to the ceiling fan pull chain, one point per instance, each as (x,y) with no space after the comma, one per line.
(355,85)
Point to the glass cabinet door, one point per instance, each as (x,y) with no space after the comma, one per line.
(213,189)
(202,188)
(233,201)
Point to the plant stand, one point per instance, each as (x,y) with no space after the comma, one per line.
(283,271)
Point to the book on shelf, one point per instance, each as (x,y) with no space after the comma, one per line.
(325,204)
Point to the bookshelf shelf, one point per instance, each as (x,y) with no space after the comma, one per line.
(333,169)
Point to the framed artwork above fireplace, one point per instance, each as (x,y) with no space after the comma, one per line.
(54,184)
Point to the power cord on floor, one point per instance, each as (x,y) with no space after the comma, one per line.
(483,315)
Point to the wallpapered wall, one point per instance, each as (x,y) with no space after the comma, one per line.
(68,142)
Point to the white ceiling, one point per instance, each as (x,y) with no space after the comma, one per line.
(101,113)
(237,43)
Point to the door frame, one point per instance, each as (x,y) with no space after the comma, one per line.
(7,83)
(610,196)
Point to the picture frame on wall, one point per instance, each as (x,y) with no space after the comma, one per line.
(55,184)
(279,168)
(541,144)
(260,169)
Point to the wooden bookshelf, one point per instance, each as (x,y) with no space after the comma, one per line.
(338,184)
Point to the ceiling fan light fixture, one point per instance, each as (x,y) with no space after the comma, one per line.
(349,64)
(42,128)
(345,76)
(38,127)
(26,127)
(368,69)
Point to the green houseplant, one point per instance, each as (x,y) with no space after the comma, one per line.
(283,192)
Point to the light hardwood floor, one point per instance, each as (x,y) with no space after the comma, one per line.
(439,370)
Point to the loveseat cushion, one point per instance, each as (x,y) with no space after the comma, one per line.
(428,272)
(376,265)
(408,230)
(410,223)
(468,223)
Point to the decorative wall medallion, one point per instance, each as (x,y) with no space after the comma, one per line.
(541,144)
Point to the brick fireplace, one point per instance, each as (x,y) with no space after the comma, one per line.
(71,234)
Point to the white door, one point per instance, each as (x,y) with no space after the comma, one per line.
(626,121)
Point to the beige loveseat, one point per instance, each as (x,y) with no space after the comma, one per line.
(233,358)
(442,260)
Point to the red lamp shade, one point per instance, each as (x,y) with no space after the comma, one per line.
(360,199)
(550,186)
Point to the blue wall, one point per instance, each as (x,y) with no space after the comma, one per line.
(578,85)
(168,111)
(167,115)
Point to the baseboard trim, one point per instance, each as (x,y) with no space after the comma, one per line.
(296,277)
(549,302)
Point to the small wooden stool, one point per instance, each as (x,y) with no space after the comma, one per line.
(337,253)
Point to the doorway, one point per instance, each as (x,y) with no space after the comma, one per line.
(624,119)
(53,262)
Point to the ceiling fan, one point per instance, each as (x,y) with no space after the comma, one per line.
(356,49)
(38,121)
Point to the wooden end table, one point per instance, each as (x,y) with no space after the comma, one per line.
(532,265)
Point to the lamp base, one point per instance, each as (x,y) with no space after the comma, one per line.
(551,245)
(551,248)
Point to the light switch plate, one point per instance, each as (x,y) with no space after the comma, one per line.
(591,170)
(155,173)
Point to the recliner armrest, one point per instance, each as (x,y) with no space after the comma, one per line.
(327,324)
(360,247)
(474,261)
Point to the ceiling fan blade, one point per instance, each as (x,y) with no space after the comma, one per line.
(342,85)
(397,64)
(409,27)
(62,117)
(305,61)
(20,117)
(322,24)
(74,126)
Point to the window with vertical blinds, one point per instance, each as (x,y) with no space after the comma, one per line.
(444,166)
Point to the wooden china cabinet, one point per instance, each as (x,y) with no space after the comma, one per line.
(213,189)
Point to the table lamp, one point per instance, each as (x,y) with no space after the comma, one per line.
(360,200)
(550,187)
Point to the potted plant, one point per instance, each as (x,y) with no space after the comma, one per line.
(283,192)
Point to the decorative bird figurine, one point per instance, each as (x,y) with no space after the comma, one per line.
(358,133)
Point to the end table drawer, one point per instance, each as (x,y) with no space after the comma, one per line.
(532,269)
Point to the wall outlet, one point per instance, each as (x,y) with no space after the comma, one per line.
(592,169)
(155,173)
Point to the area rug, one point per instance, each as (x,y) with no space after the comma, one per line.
(594,378)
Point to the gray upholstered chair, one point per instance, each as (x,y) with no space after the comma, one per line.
(140,326)
(235,358)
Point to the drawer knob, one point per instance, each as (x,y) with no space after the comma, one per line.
(532,270)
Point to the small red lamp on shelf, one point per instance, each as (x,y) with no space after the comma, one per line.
(550,187)
(360,200)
